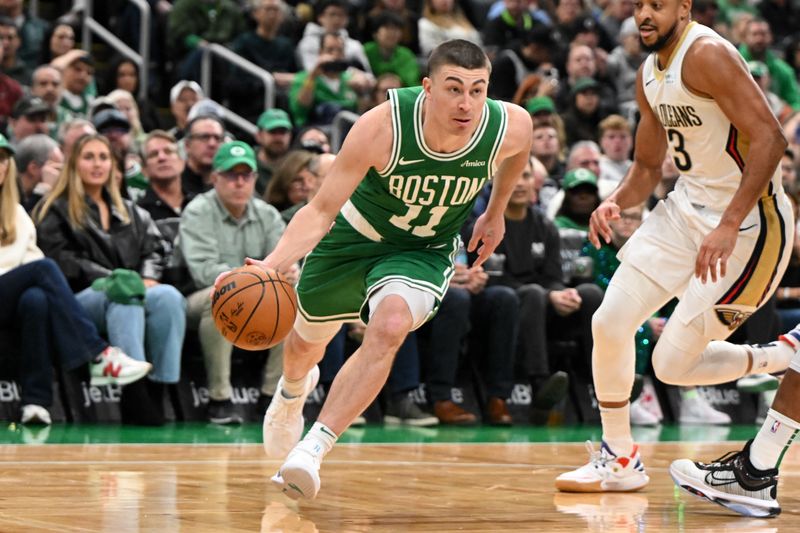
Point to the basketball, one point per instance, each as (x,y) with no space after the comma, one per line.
(254,309)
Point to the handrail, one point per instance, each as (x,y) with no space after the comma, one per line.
(239,61)
(337,138)
(239,121)
(141,58)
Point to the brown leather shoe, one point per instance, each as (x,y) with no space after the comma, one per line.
(449,413)
(497,411)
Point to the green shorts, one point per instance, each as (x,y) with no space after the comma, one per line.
(346,268)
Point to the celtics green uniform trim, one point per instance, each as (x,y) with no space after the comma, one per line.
(402,223)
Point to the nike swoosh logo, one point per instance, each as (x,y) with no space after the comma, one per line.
(404,162)
(748,227)
(649,82)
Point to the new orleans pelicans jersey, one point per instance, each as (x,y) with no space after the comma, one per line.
(706,147)
(423,196)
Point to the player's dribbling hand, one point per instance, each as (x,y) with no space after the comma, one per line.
(598,223)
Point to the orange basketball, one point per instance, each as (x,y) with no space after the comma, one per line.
(254,309)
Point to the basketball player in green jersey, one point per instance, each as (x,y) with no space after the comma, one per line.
(384,232)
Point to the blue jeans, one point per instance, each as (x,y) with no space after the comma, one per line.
(37,301)
(494,313)
(155,329)
(404,375)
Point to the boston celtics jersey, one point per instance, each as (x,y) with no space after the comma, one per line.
(707,148)
(423,196)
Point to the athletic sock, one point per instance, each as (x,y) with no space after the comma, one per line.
(772,440)
(617,429)
(321,439)
(292,388)
(792,338)
(775,359)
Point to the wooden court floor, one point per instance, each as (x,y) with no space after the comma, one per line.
(365,487)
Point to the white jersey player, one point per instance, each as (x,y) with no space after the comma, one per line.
(720,242)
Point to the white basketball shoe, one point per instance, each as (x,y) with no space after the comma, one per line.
(283,421)
(298,477)
(605,472)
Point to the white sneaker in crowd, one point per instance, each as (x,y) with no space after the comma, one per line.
(758,383)
(695,409)
(283,421)
(640,416)
(35,414)
(116,367)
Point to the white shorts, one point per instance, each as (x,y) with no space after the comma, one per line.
(665,248)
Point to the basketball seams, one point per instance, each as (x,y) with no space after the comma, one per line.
(279,322)
(253,312)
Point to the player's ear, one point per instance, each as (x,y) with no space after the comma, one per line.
(685,10)
(426,85)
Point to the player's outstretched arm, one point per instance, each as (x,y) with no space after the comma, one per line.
(513,156)
(367,144)
(713,68)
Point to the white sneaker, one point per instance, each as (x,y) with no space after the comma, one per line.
(605,472)
(731,481)
(758,383)
(283,421)
(640,416)
(697,410)
(35,414)
(116,367)
(298,477)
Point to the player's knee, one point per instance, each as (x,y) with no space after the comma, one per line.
(607,326)
(392,322)
(669,364)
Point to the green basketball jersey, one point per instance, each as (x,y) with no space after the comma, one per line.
(422,196)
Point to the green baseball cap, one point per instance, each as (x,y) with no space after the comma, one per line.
(540,104)
(5,145)
(584,84)
(273,119)
(122,286)
(578,176)
(233,153)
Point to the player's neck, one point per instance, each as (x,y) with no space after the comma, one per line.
(669,48)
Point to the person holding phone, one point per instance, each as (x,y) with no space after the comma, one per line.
(331,86)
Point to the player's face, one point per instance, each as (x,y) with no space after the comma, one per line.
(658,21)
(456,97)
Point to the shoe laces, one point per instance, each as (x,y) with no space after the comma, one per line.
(600,458)
(727,458)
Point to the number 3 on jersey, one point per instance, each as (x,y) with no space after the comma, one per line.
(681,158)
(404,222)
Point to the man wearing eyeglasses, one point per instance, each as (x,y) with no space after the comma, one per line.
(218,230)
(204,135)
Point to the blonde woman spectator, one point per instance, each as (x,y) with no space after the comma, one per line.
(92,233)
(441,21)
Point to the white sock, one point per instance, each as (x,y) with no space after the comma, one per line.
(792,338)
(292,388)
(772,440)
(775,359)
(617,429)
(321,439)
